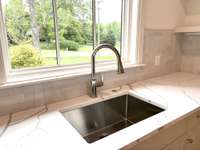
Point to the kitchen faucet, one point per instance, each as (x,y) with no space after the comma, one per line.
(97,81)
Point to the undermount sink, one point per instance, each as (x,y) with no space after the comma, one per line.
(99,120)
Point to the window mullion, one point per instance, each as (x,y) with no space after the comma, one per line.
(125,30)
(134,17)
(94,22)
(122,26)
(57,43)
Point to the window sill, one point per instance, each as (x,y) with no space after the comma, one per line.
(31,77)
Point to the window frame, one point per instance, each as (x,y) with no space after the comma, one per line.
(8,73)
(4,59)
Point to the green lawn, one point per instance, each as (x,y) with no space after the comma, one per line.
(51,46)
(83,55)
(75,60)
(85,48)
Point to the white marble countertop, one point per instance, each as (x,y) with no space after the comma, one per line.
(45,128)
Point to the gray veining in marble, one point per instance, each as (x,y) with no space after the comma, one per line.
(40,128)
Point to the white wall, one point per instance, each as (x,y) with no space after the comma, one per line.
(192,10)
(167,14)
(192,7)
(192,20)
(163,14)
(190,43)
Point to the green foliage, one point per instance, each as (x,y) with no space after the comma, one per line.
(73,32)
(74,27)
(110,38)
(110,33)
(17,21)
(87,33)
(74,21)
(44,17)
(25,55)
(70,45)
(64,45)
(47,46)
(115,27)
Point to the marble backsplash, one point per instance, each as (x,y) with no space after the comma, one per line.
(190,53)
(161,43)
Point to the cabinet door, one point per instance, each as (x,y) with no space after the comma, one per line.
(184,135)
(178,144)
(162,139)
(192,139)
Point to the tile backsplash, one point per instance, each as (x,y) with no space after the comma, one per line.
(161,43)
(190,50)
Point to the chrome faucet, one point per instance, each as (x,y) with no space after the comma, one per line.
(97,81)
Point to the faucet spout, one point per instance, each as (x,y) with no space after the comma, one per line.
(120,68)
(94,83)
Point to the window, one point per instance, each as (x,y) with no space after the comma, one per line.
(60,32)
(44,38)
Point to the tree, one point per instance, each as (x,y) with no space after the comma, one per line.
(45,20)
(32,20)
(74,20)
(110,33)
(115,27)
(73,32)
(110,38)
(34,26)
(17,21)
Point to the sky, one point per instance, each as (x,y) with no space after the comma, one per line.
(3,1)
(110,10)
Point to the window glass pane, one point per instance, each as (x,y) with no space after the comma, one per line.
(108,18)
(30,32)
(75,30)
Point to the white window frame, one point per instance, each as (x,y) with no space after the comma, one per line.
(4,59)
(128,43)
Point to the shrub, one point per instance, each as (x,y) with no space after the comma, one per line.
(47,45)
(25,55)
(70,45)
(109,38)
(73,31)
(64,44)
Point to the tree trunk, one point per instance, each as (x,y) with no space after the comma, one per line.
(34,26)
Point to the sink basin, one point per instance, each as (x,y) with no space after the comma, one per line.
(99,120)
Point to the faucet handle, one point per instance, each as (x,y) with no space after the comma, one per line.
(101,77)
(100,80)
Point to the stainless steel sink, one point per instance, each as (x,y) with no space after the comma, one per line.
(99,120)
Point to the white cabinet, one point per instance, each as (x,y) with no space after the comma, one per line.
(178,144)
(184,135)
(190,141)
(162,138)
